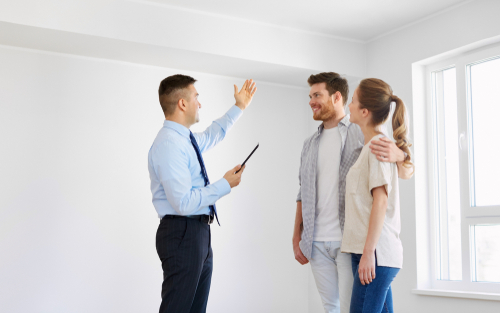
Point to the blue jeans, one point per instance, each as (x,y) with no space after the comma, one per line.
(376,297)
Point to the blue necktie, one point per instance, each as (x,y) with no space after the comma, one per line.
(213,211)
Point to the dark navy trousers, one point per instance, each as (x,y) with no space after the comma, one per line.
(184,247)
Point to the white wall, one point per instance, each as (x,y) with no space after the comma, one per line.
(390,58)
(77,226)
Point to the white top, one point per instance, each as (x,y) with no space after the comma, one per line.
(366,174)
(326,222)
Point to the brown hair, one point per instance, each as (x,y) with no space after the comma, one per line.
(376,96)
(170,91)
(334,82)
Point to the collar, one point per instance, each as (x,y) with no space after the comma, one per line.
(344,122)
(181,129)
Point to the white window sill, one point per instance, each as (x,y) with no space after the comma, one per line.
(457,294)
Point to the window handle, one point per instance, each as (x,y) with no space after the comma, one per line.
(461,141)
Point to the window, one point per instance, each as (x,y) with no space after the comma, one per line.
(464,171)
(446,169)
(483,83)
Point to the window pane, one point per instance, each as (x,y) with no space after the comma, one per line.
(446,166)
(484,83)
(486,258)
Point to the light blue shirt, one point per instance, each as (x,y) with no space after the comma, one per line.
(177,184)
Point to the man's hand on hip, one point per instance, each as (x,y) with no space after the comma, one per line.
(245,95)
(234,178)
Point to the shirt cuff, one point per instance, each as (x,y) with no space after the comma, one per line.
(234,113)
(222,186)
(299,196)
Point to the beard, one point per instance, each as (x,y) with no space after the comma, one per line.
(325,114)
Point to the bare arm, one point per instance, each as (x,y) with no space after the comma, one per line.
(387,151)
(377,216)
(297,232)
(403,171)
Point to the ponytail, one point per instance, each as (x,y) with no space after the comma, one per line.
(376,96)
(400,126)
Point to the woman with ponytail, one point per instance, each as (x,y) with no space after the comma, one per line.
(372,214)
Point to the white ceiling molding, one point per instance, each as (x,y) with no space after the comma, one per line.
(158,33)
(60,42)
(132,21)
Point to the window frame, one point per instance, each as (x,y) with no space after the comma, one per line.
(469,216)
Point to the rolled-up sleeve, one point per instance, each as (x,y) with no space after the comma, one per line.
(380,174)
(299,194)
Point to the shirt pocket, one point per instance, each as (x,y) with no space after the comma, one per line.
(352,181)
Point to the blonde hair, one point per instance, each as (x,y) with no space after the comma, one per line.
(376,96)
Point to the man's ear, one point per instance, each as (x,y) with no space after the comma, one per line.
(337,96)
(182,105)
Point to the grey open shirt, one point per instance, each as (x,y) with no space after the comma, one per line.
(352,143)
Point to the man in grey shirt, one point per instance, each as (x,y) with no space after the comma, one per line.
(326,159)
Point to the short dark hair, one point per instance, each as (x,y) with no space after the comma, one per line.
(334,82)
(168,92)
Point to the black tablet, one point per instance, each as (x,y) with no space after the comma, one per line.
(248,157)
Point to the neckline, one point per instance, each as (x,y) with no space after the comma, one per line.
(374,138)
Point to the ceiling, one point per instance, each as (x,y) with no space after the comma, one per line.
(359,20)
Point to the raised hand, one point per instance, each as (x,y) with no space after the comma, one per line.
(245,95)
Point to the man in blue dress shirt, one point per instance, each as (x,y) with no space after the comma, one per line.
(183,196)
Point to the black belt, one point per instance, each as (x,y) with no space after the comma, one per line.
(206,219)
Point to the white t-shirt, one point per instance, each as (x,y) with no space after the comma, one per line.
(326,223)
(366,174)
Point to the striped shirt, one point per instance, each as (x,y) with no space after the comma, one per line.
(352,143)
